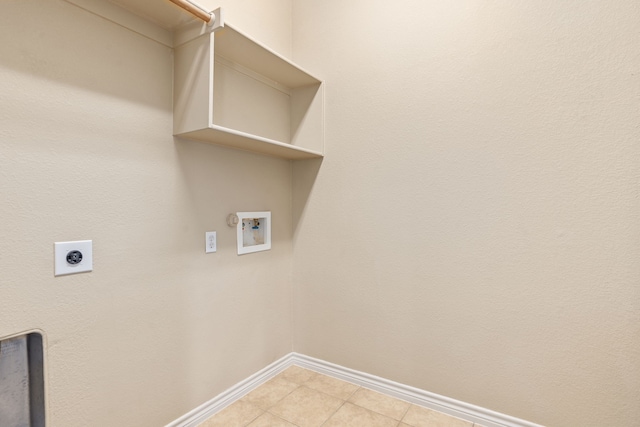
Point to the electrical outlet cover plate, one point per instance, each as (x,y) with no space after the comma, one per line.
(62,249)
(210,242)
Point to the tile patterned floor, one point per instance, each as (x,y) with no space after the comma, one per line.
(299,397)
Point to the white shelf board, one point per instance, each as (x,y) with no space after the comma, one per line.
(243,50)
(196,99)
(220,135)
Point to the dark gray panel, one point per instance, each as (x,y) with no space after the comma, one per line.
(22,382)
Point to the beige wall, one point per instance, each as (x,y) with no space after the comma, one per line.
(86,152)
(266,21)
(474,229)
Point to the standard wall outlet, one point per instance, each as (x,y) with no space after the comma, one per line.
(73,257)
(211,244)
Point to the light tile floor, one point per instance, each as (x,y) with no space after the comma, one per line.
(298,397)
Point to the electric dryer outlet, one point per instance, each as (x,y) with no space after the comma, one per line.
(73,257)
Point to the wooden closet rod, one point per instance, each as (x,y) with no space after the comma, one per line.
(195,10)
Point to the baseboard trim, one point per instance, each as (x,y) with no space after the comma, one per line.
(227,397)
(456,408)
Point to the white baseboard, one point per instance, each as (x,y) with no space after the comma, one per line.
(456,408)
(226,398)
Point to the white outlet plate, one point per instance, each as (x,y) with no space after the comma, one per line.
(210,242)
(62,249)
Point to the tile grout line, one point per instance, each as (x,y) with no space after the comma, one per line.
(284,397)
(405,413)
(283,419)
(343,400)
(333,413)
(253,419)
(347,399)
(299,385)
(400,420)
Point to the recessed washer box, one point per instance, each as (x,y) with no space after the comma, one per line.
(73,257)
(254,232)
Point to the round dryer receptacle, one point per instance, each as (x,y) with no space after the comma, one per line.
(74,257)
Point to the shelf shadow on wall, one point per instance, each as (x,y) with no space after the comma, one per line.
(305,173)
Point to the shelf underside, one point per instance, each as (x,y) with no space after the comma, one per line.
(231,138)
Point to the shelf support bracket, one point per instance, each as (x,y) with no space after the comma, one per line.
(211,18)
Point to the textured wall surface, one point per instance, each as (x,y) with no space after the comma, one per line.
(86,152)
(474,229)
